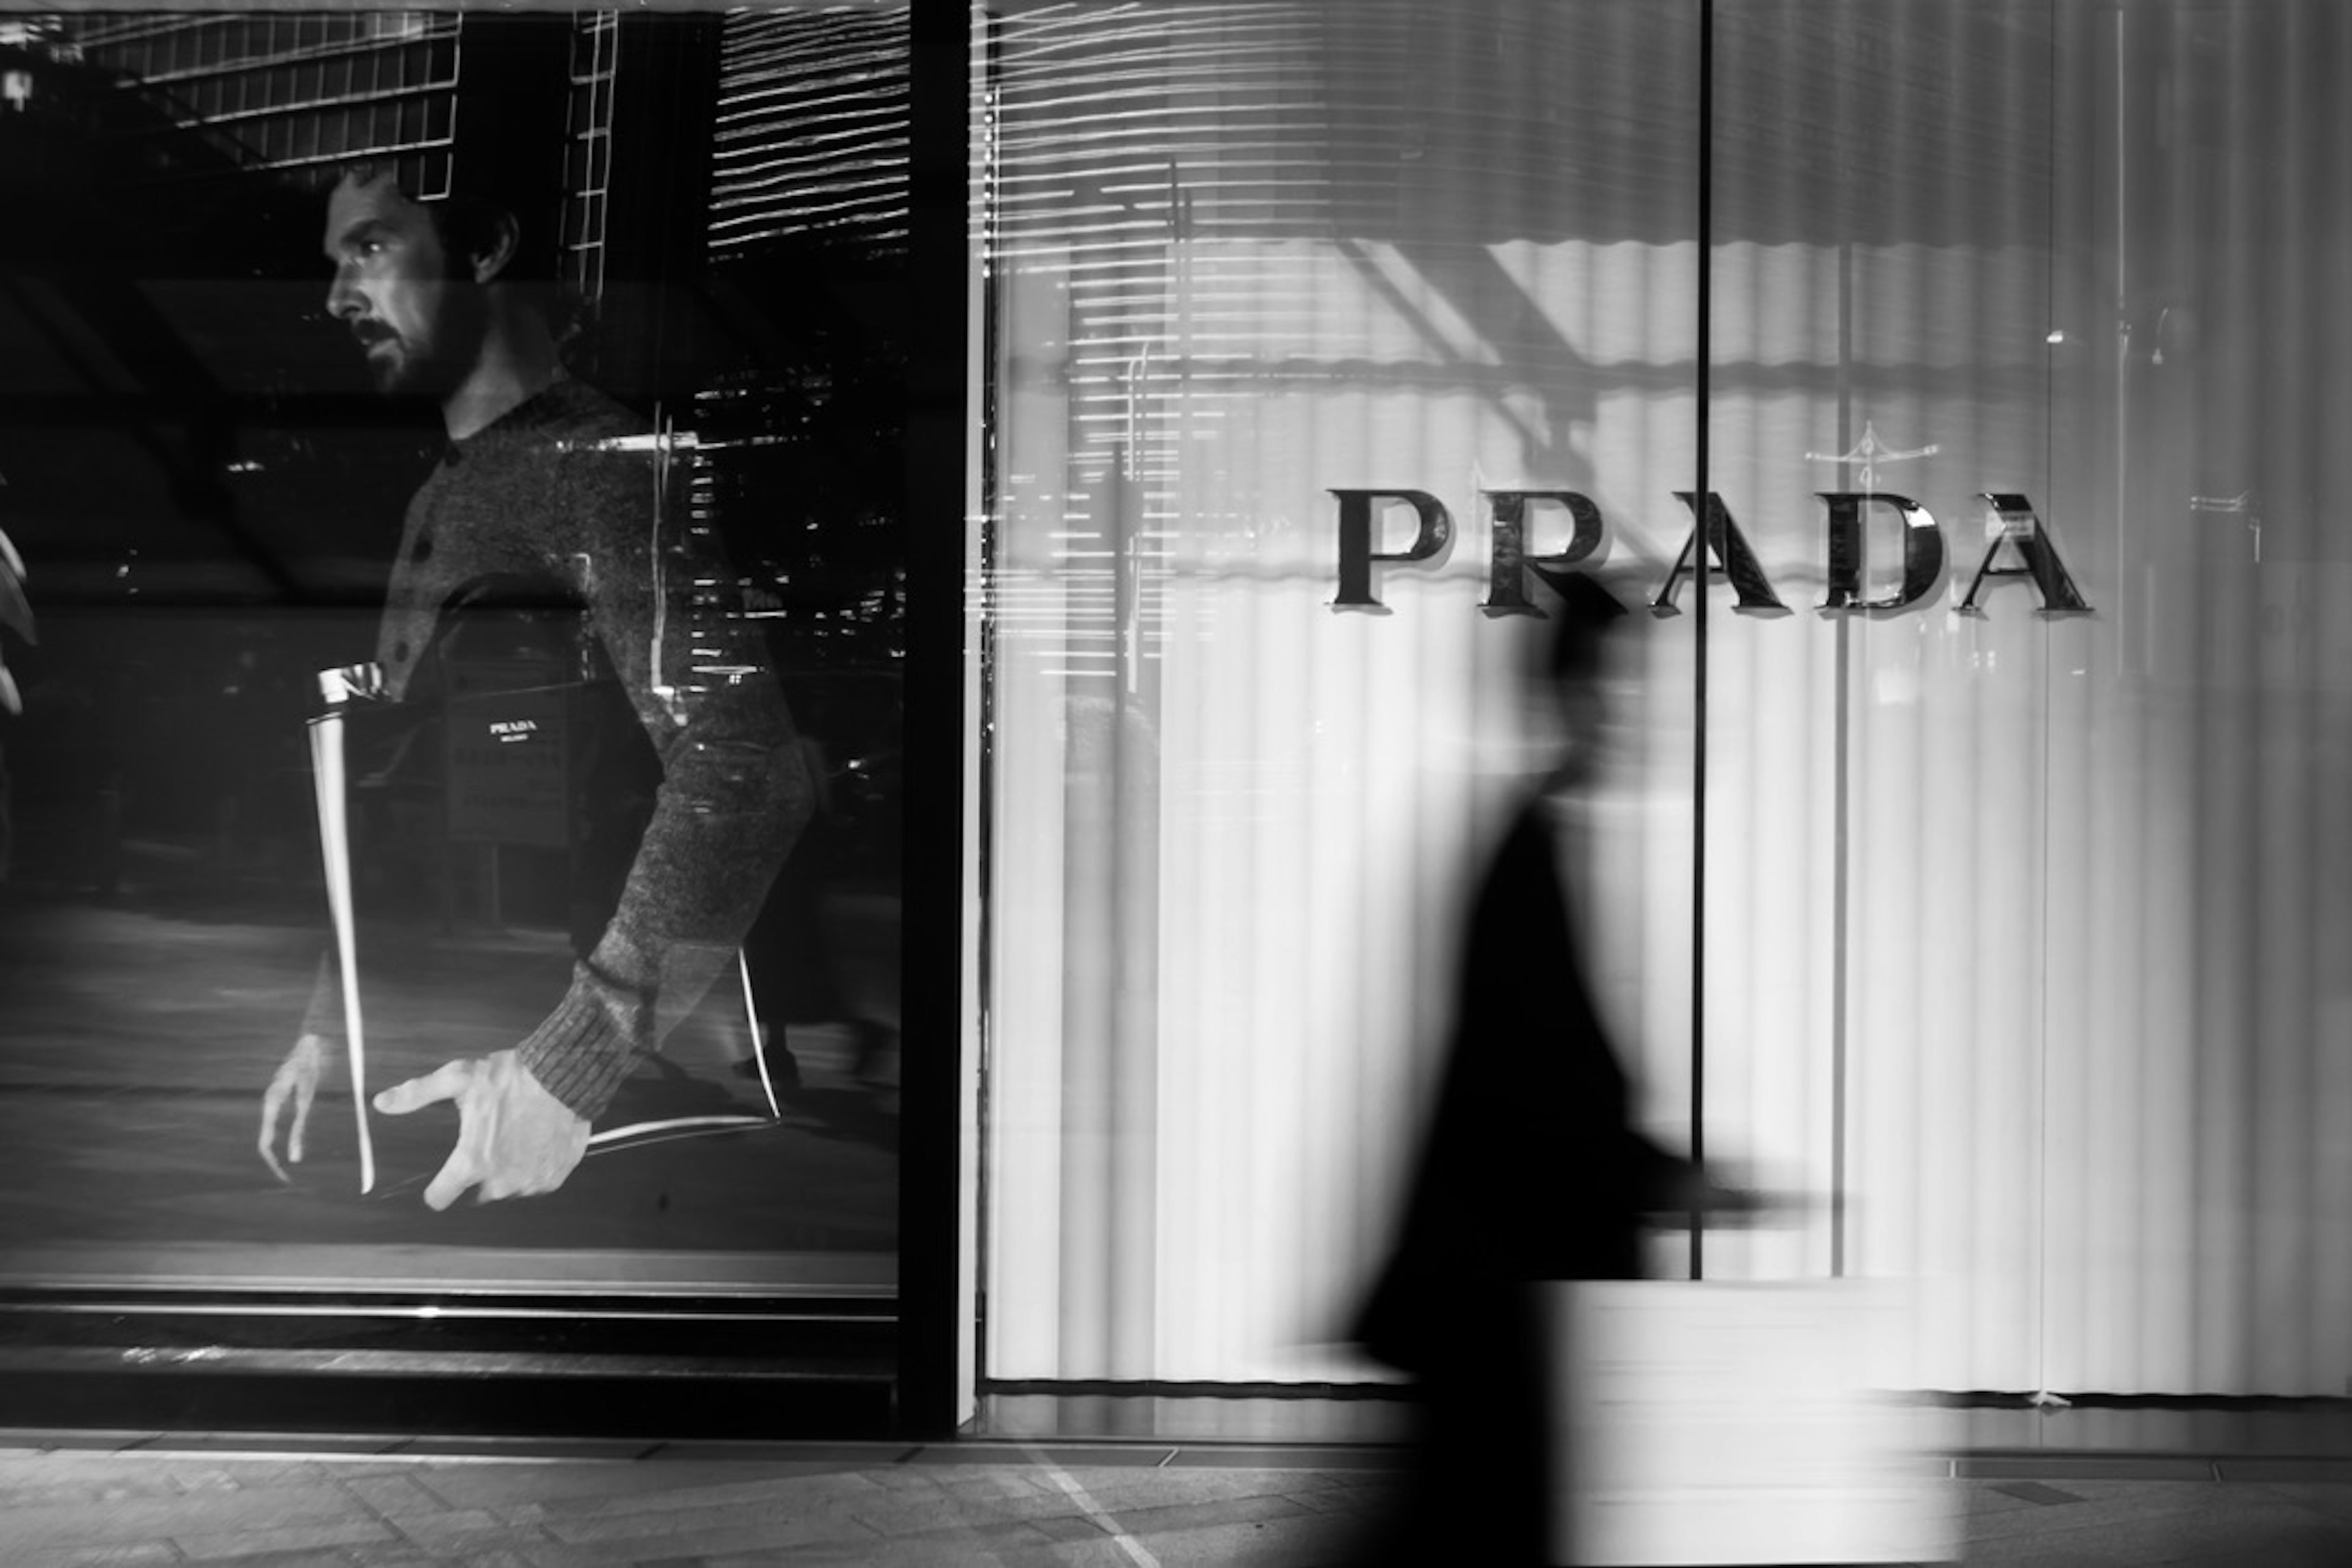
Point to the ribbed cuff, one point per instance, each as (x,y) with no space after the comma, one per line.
(582,1052)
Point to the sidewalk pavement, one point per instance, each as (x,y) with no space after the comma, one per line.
(126,1501)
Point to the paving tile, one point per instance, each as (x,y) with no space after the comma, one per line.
(496,1486)
(2036,1492)
(995,1550)
(2261,1531)
(812,1495)
(921,1476)
(1141,1521)
(899,1554)
(1016,1538)
(2111,1505)
(394,1496)
(239,1474)
(261,1543)
(157,1518)
(782,1539)
(1069,1526)
(2029,1552)
(191,1480)
(908,1513)
(979,1451)
(134,1555)
(65,1481)
(1356,1505)
(765,1522)
(2273,1554)
(462,1529)
(2257,1535)
(994,1482)
(1983,1496)
(1262,1543)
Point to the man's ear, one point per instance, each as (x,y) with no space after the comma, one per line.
(498,247)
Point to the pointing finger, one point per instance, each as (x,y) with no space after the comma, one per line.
(446,1081)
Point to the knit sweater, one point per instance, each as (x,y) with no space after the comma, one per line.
(544,496)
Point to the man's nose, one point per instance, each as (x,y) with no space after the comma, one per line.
(343,301)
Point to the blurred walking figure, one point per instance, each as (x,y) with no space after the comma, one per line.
(1530,1170)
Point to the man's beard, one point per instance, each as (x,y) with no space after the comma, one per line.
(436,367)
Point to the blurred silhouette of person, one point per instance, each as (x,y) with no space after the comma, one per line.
(1530,1170)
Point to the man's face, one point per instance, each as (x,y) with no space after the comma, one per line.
(418,319)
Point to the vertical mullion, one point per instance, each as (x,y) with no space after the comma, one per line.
(1702,558)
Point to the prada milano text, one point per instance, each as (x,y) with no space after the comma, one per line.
(2021,553)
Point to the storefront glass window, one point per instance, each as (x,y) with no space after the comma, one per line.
(347,736)
(1962,860)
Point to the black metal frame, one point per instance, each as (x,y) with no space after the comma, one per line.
(931,1208)
(395,1362)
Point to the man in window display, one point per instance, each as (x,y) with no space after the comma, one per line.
(546,491)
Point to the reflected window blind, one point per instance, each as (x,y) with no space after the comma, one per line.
(811,133)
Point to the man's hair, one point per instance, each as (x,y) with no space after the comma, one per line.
(468,224)
(514,125)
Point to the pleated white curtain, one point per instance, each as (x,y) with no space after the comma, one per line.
(2019,926)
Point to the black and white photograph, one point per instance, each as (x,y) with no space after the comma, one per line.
(1293,783)
(455,622)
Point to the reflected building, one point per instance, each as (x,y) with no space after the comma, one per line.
(284,91)
(731,210)
(712,166)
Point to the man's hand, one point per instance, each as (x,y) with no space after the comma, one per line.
(514,1137)
(296,1078)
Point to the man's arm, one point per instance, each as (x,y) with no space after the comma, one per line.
(735,791)
(734,796)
